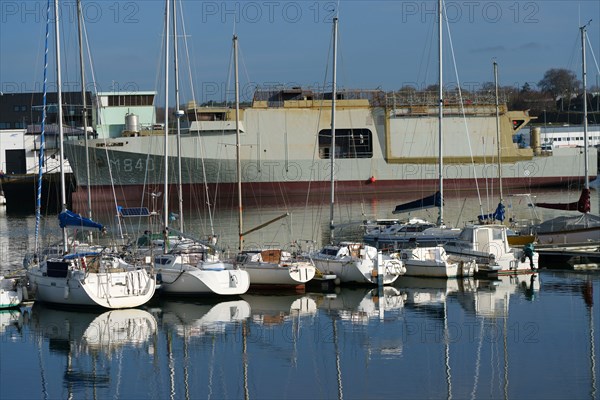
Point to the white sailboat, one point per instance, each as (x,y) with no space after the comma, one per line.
(435,262)
(351,262)
(95,279)
(187,270)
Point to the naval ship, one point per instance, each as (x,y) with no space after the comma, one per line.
(385,144)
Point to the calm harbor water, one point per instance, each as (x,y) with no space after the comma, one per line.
(528,336)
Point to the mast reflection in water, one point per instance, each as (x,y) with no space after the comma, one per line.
(531,335)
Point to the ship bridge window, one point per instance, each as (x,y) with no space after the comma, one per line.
(517,123)
(349,143)
(120,100)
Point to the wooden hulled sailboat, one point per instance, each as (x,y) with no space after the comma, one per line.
(273,267)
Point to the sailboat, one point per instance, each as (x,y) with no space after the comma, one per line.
(273,267)
(430,259)
(351,262)
(586,227)
(97,278)
(518,234)
(488,242)
(421,232)
(186,269)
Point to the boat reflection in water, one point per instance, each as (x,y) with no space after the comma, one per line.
(9,319)
(89,341)
(359,305)
(194,319)
(279,308)
(429,296)
(93,332)
(491,300)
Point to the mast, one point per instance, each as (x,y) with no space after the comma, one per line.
(585,122)
(84,111)
(440,118)
(332,151)
(178,115)
(237,143)
(499,147)
(166,183)
(63,191)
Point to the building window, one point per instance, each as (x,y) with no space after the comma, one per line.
(349,143)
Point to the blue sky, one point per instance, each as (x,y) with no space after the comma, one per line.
(382,44)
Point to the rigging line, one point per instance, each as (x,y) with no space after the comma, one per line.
(355,162)
(426,56)
(592,52)
(318,210)
(119,225)
(60,117)
(592,350)
(38,207)
(258,136)
(200,141)
(462,107)
(223,146)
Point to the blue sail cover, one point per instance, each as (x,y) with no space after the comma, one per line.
(435,200)
(69,218)
(497,215)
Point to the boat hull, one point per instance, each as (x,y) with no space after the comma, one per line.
(573,236)
(274,275)
(189,281)
(359,271)
(20,191)
(272,163)
(112,290)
